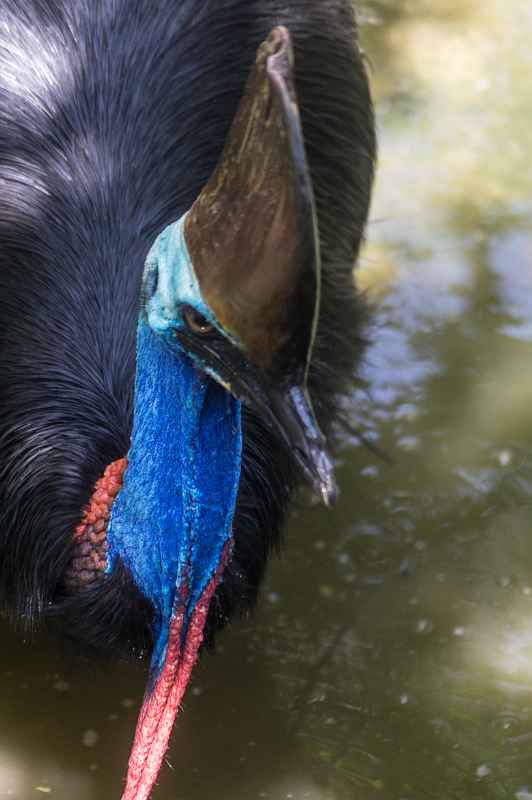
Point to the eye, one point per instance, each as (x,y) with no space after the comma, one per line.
(196,322)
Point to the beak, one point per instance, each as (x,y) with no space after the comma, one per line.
(289,412)
(294,418)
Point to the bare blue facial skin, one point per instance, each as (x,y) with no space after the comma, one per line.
(174,284)
(171,283)
(173,517)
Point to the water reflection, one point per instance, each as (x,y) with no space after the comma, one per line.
(391,656)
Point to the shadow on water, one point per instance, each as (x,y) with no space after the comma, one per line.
(391,655)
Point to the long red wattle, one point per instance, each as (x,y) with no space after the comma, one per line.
(161,704)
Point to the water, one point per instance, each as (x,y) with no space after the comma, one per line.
(391,655)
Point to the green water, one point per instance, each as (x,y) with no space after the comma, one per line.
(391,655)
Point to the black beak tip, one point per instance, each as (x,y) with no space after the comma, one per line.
(322,478)
(329,492)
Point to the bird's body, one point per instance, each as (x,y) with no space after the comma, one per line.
(113,116)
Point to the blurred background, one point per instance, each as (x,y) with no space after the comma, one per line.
(391,655)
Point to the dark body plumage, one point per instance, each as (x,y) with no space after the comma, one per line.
(113,114)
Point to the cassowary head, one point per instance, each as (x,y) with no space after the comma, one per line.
(215,330)
(249,322)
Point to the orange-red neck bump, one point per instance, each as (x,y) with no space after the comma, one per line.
(90,537)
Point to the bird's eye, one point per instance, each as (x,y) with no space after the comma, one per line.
(195,321)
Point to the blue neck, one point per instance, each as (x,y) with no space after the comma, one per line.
(174,514)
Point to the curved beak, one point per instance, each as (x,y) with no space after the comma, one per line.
(286,407)
(289,412)
(295,419)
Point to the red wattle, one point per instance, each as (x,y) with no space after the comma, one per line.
(160,707)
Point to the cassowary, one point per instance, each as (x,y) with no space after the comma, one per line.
(184,187)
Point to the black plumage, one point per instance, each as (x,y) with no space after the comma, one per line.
(113,114)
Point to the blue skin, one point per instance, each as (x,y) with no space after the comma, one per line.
(176,282)
(174,514)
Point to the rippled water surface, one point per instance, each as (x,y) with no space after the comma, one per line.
(391,655)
